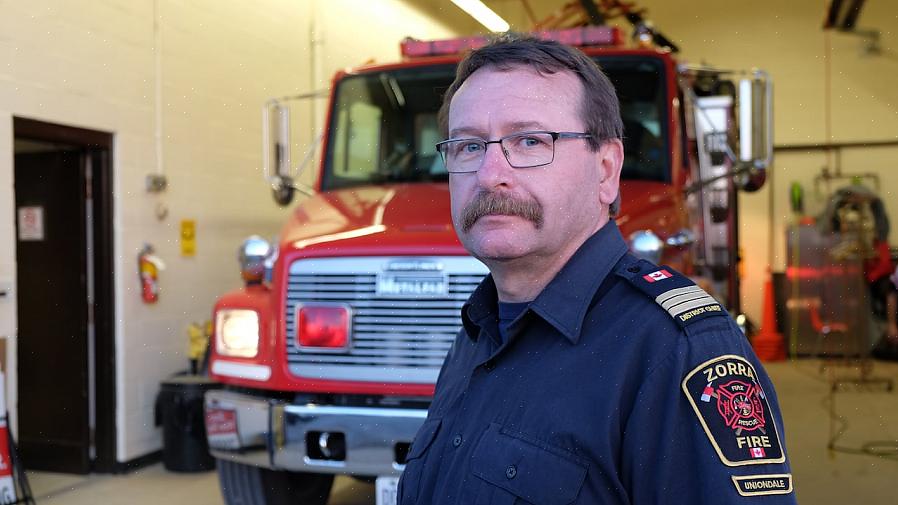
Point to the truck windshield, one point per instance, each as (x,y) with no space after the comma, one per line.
(384,124)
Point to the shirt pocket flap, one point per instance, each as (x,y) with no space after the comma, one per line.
(533,473)
(424,438)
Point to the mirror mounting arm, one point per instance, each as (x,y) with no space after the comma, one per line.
(277,168)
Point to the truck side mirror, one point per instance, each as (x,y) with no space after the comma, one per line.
(276,151)
(283,190)
(755,130)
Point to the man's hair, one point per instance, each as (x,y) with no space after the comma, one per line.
(599,110)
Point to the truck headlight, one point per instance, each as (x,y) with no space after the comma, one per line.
(237,333)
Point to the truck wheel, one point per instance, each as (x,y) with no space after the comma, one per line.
(250,485)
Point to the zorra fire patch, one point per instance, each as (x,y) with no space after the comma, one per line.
(731,406)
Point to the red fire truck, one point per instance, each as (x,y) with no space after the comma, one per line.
(330,352)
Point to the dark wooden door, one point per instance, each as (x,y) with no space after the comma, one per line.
(53,379)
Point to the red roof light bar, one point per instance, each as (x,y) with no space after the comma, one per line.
(587,36)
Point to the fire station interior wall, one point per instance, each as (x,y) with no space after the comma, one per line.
(786,39)
(97,65)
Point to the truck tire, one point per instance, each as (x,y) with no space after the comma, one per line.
(250,485)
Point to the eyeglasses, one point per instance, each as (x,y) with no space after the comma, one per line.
(522,150)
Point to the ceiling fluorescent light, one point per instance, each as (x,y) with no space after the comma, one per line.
(483,14)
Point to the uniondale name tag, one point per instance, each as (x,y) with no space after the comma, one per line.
(760,485)
(734,412)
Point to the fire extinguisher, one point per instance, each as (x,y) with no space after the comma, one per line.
(148,267)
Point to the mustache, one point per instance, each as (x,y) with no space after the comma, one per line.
(487,203)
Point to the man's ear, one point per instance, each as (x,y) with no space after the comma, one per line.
(610,160)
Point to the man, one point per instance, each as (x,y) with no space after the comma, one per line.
(581,375)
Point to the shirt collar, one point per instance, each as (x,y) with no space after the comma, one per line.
(482,304)
(564,301)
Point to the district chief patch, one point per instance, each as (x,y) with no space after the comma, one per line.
(734,412)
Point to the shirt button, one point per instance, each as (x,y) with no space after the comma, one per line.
(511,471)
(456,441)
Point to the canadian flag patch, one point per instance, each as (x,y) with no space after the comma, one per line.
(707,393)
(658,275)
(757,452)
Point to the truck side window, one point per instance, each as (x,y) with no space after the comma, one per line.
(357,150)
(384,128)
(640,85)
(428,134)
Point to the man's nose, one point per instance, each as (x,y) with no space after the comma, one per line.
(494,168)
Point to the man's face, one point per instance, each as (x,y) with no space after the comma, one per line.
(538,213)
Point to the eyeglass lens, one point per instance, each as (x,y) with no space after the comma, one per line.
(521,150)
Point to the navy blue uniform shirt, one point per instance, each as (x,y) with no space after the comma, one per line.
(621,383)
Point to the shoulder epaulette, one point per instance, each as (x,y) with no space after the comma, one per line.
(674,292)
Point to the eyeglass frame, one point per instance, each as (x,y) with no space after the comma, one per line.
(555,136)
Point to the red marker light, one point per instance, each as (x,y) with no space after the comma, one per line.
(323,326)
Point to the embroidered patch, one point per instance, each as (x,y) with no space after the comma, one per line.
(760,485)
(686,303)
(658,275)
(674,292)
(734,412)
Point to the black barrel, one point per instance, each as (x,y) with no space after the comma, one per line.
(179,409)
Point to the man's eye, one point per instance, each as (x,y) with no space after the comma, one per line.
(530,142)
(470,147)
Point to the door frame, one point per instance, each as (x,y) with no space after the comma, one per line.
(104,273)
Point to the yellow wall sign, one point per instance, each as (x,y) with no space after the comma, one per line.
(188,237)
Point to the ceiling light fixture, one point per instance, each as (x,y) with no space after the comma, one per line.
(483,14)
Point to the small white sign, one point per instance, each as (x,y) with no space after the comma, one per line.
(385,488)
(31,224)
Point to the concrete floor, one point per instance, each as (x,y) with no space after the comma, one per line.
(154,486)
(863,414)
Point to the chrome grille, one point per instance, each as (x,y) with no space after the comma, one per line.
(394,338)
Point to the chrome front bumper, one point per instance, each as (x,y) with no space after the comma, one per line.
(283,436)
